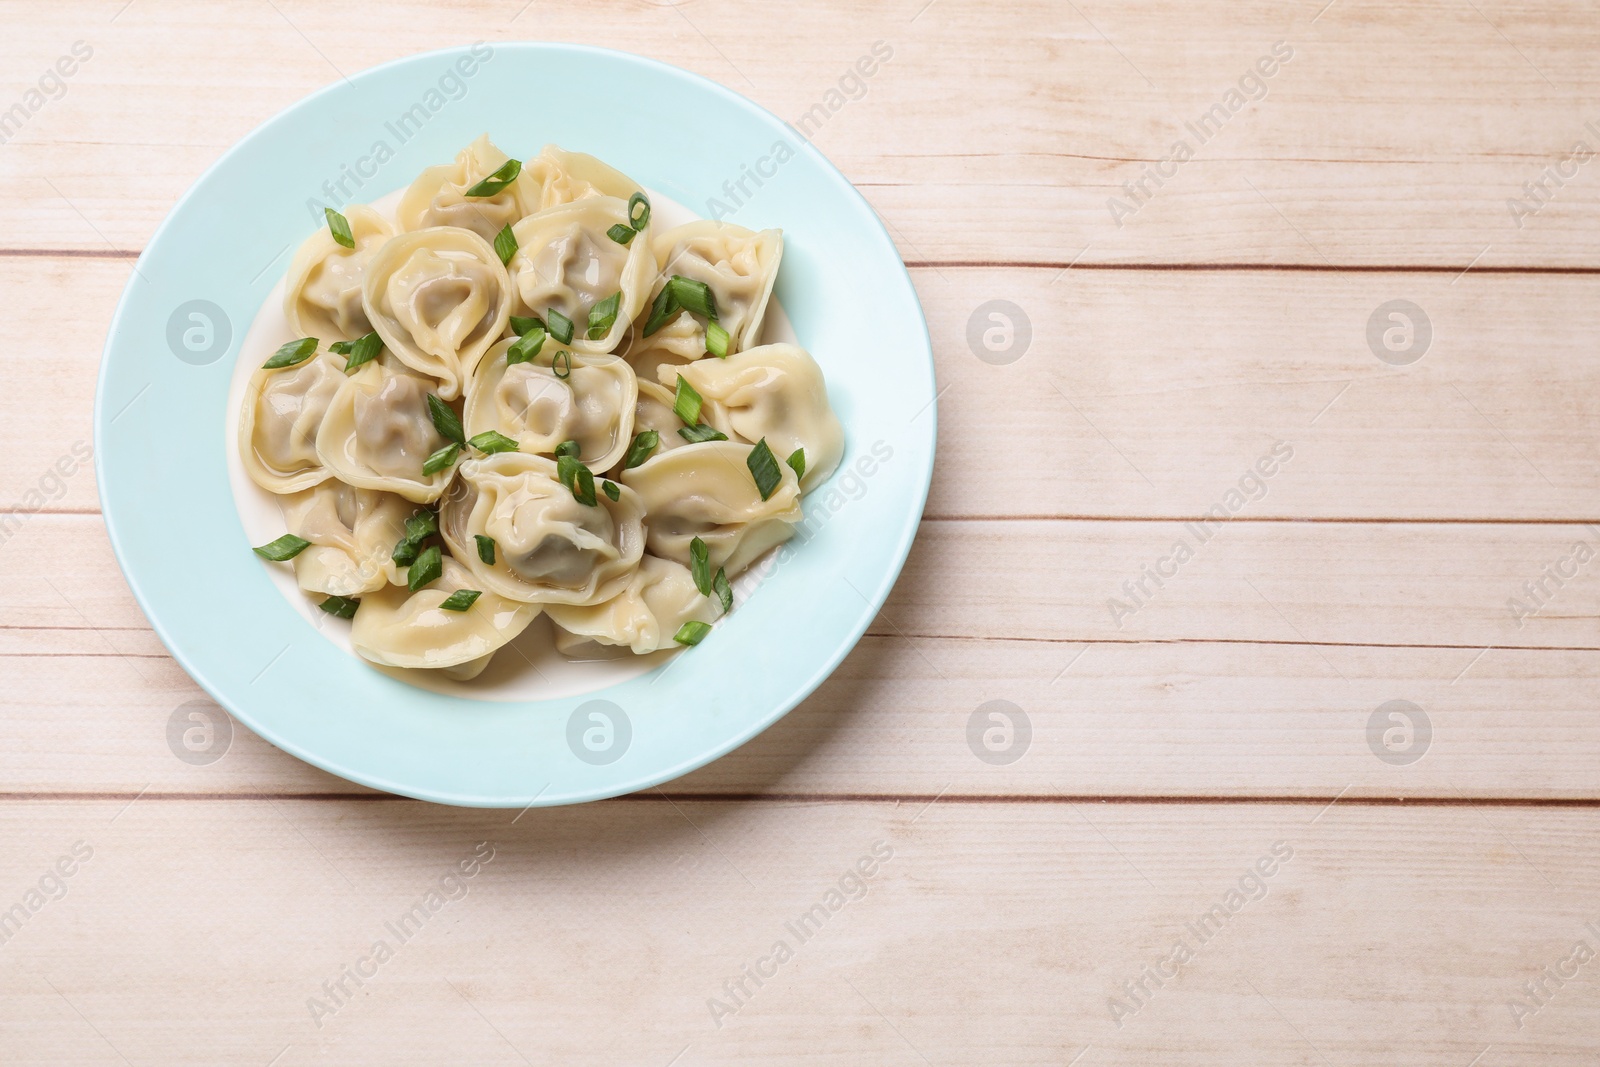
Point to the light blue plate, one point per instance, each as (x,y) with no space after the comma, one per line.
(160,414)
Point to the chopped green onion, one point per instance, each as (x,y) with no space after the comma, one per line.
(612,490)
(342,348)
(522,324)
(644,443)
(603,315)
(716,340)
(526,347)
(485,548)
(419,527)
(764,467)
(494,183)
(797,462)
(361,351)
(461,599)
(700,566)
(662,308)
(505,244)
(578,478)
(561,364)
(284,548)
(340,607)
(702,432)
(445,457)
(569,448)
(692,632)
(429,565)
(694,295)
(560,326)
(724,591)
(339,226)
(621,234)
(638,211)
(491,441)
(445,420)
(292,353)
(686,402)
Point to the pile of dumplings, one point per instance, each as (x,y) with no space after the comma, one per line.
(518,397)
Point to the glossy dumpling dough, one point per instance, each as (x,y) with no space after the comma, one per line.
(528,402)
(706,491)
(556,176)
(549,548)
(283,411)
(438,298)
(739,265)
(774,392)
(377,433)
(565,260)
(322,291)
(398,628)
(438,196)
(352,533)
(659,599)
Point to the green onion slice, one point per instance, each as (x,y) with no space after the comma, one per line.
(797,462)
(716,340)
(692,632)
(724,591)
(702,432)
(621,234)
(284,548)
(764,468)
(638,211)
(361,351)
(485,548)
(522,324)
(700,566)
(559,325)
(445,420)
(445,457)
(491,441)
(340,607)
(496,182)
(604,315)
(578,478)
(429,565)
(561,364)
(292,353)
(419,527)
(569,448)
(525,347)
(644,443)
(664,307)
(612,489)
(339,226)
(693,295)
(461,599)
(505,244)
(686,402)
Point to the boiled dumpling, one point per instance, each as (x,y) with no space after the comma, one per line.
(283,409)
(739,265)
(398,628)
(556,176)
(439,298)
(438,196)
(592,403)
(352,533)
(567,261)
(322,293)
(378,432)
(548,547)
(659,599)
(707,491)
(774,392)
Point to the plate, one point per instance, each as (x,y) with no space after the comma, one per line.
(162,447)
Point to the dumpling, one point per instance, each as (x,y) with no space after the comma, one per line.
(566,260)
(283,409)
(593,404)
(739,265)
(322,293)
(676,344)
(548,547)
(352,533)
(438,298)
(398,628)
(707,491)
(659,599)
(438,196)
(378,433)
(556,176)
(775,392)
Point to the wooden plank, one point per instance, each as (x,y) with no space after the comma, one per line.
(1391,135)
(1144,394)
(984,933)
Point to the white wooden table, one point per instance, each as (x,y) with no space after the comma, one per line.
(224,913)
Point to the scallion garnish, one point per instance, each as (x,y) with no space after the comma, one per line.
(797,462)
(445,420)
(578,478)
(559,325)
(491,441)
(692,632)
(638,211)
(569,448)
(521,324)
(724,591)
(686,402)
(505,244)
(293,352)
(496,182)
(603,315)
(700,566)
(621,234)
(461,599)
(362,350)
(340,607)
(702,432)
(429,565)
(284,548)
(644,443)
(612,490)
(662,308)
(525,347)
(694,295)
(716,340)
(445,457)
(341,348)
(339,226)
(419,527)
(485,548)
(561,364)
(764,467)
